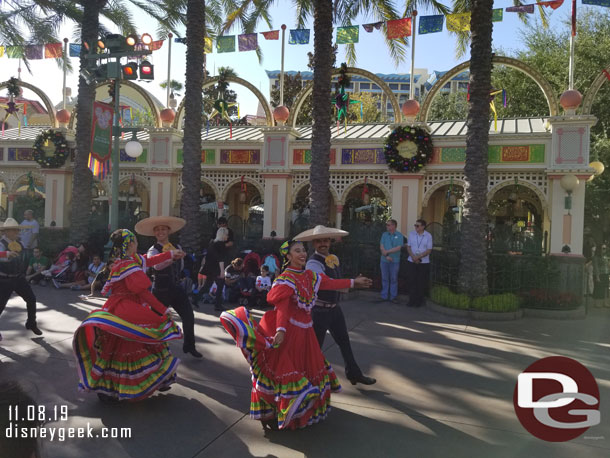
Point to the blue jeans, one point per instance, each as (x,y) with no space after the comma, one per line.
(389,280)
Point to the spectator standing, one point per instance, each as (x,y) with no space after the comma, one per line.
(391,243)
(38,263)
(230,242)
(419,246)
(213,267)
(29,235)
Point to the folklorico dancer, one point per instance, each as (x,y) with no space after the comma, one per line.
(327,314)
(121,351)
(166,275)
(291,379)
(12,278)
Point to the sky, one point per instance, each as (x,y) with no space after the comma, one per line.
(433,51)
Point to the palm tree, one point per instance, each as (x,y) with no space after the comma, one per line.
(193,120)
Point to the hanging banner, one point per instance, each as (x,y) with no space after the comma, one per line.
(101,131)
(348,35)
(370,27)
(247,42)
(1,51)
(528,9)
(299,37)
(431,24)
(53,51)
(34,52)
(399,28)
(605,3)
(180,40)
(497,15)
(207,45)
(74,50)
(156,45)
(554,4)
(272,35)
(225,44)
(458,22)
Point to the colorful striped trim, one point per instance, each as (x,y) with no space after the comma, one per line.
(306,289)
(123,269)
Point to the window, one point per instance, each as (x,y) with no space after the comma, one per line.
(365,86)
(404,87)
(374,87)
(462,87)
(394,86)
(389,106)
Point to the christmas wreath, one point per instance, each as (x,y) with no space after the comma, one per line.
(61,149)
(408,149)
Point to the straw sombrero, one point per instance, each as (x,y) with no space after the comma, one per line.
(10,223)
(320,232)
(146,226)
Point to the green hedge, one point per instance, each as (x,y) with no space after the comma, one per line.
(506,302)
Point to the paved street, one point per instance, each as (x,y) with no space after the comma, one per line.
(445,387)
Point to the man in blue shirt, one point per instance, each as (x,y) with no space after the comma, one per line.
(390,246)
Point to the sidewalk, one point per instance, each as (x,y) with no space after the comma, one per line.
(444,387)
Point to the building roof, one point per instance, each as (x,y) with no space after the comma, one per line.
(437,75)
(32,105)
(387,77)
(372,131)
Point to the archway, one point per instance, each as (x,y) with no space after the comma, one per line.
(544,85)
(231,79)
(29,194)
(442,210)
(308,88)
(47,102)
(362,212)
(299,213)
(589,98)
(245,209)
(516,217)
(134,201)
(148,100)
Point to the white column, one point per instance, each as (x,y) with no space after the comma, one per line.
(160,193)
(277,200)
(56,190)
(406,200)
(339,216)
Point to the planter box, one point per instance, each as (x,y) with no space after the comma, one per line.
(575,314)
(476,314)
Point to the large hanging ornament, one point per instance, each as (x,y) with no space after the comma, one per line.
(408,149)
(342,99)
(61,149)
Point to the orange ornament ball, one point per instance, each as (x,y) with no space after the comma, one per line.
(281,113)
(410,108)
(63,116)
(168,115)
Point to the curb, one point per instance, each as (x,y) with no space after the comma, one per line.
(475,314)
(576,314)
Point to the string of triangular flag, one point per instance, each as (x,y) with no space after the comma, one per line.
(52,50)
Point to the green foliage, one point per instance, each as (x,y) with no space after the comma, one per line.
(506,302)
(292,87)
(442,295)
(370,112)
(51,240)
(449,107)
(25,202)
(220,90)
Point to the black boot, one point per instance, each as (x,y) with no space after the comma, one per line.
(191,349)
(31,325)
(362,379)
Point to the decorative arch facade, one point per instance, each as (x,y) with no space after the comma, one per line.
(598,82)
(45,100)
(301,96)
(232,79)
(541,81)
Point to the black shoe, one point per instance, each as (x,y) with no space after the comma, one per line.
(192,351)
(165,388)
(107,399)
(270,424)
(32,327)
(362,379)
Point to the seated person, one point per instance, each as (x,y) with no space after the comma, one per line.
(100,279)
(233,275)
(262,285)
(38,263)
(93,269)
(61,270)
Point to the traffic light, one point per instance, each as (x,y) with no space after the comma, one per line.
(130,71)
(147,71)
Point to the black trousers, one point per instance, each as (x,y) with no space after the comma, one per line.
(20,286)
(418,278)
(332,319)
(174,296)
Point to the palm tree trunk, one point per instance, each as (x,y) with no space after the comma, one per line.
(193,119)
(83,179)
(473,263)
(320,141)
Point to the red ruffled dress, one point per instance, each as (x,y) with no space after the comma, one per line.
(291,382)
(121,350)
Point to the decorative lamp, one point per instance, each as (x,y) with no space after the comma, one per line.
(63,117)
(133,148)
(410,108)
(570,100)
(173,103)
(569,183)
(281,114)
(167,116)
(598,167)
(68,91)
(452,199)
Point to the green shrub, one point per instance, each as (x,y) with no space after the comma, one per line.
(447,298)
(52,240)
(506,302)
